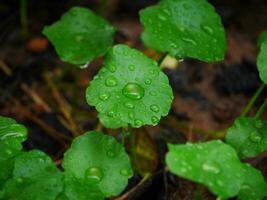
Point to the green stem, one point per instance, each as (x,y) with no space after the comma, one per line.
(252,100)
(132,142)
(123,135)
(163,56)
(23,17)
(261,109)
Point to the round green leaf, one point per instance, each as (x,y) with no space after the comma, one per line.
(254,186)
(248,136)
(262,61)
(214,164)
(34,177)
(129,89)
(80,36)
(184,28)
(99,161)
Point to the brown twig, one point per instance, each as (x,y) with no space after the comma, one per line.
(5,68)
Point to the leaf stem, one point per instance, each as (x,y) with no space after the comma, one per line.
(132,142)
(123,135)
(252,100)
(261,109)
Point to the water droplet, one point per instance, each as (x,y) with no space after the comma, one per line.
(148,81)
(93,175)
(167,12)
(211,167)
(173,45)
(207,29)
(162,17)
(258,124)
(125,172)
(154,72)
(112,68)
(133,91)
(188,40)
(152,93)
(138,122)
(103,96)
(131,67)
(154,119)
(154,108)
(129,105)
(111,154)
(111,113)
(130,115)
(111,81)
(255,137)
(85,65)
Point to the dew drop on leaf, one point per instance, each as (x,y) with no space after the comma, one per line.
(125,172)
(129,105)
(19,180)
(112,68)
(131,67)
(93,175)
(103,96)
(207,29)
(188,40)
(211,167)
(130,115)
(111,113)
(162,17)
(154,119)
(148,81)
(111,81)
(138,122)
(154,108)
(255,137)
(111,154)
(133,91)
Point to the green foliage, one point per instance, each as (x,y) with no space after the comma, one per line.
(99,161)
(262,60)
(262,38)
(254,186)
(80,36)
(214,164)
(184,28)
(248,136)
(129,89)
(34,177)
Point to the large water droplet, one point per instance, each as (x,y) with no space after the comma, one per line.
(207,29)
(189,40)
(133,91)
(129,105)
(154,119)
(103,96)
(211,167)
(255,137)
(111,81)
(154,108)
(258,124)
(93,175)
(138,122)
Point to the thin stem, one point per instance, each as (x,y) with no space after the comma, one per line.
(123,135)
(252,100)
(261,109)
(23,17)
(161,59)
(132,142)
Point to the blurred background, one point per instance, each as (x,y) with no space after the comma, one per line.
(48,96)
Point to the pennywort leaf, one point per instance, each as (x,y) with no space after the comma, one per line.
(213,164)
(248,136)
(34,177)
(99,162)
(80,36)
(184,28)
(129,89)
(262,60)
(262,38)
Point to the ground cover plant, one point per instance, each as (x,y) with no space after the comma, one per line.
(131,91)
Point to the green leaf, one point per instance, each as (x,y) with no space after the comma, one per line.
(184,28)
(214,164)
(34,177)
(248,136)
(99,161)
(254,186)
(80,36)
(262,61)
(129,89)
(262,38)
(80,189)
(11,137)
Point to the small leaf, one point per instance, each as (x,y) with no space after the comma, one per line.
(262,61)
(262,38)
(99,161)
(184,28)
(214,164)
(254,186)
(34,177)
(248,136)
(80,36)
(129,89)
